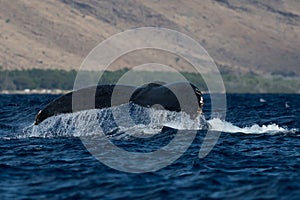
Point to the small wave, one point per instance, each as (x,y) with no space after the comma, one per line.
(223,126)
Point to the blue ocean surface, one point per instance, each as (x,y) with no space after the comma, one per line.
(257,155)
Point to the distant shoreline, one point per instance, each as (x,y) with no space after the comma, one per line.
(35,91)
(26,81)
(58,91)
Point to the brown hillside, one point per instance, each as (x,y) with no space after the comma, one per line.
(241,36)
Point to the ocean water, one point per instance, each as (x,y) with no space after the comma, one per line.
(257,155)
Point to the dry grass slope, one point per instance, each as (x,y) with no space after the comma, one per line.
(242,36)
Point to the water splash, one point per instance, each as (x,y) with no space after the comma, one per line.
(126,119)
(223,126)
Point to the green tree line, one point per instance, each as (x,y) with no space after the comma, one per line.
(62,79)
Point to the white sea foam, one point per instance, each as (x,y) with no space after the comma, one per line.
(223,126)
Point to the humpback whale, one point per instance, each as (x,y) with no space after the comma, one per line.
(177,96)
